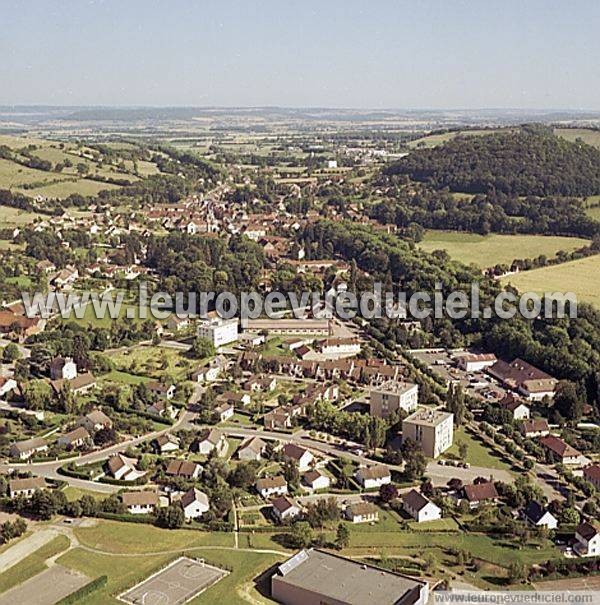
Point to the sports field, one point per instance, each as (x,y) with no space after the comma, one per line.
(489,250)
(175,584)
(579,276)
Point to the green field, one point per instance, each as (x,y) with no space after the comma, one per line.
(477,453)
(128,553)
(13,217)
(489,250)
(587,135)
(433,140)
(579,276)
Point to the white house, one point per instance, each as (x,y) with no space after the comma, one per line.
(272,486)
(420,508)
(285,508)
(194,503)
(394,396)
(123,468)
(140,503)
(362,512)
(63,368)
(25,487)
(587,540)
(301,456)
(208,440)
(536,515)
(314,479)
(167,443)
(372,477)
(224,411)
(251,449)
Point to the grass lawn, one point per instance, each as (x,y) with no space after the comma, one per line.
(123,378)
(489,250)
(89,316)
(13,217)
(33,564)
(154,362)
(477,453)
(481,546)
(446,524)
(74,493)
(146,549)
(138,538)
(578,276)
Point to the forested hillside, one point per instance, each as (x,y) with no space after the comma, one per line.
(529,162)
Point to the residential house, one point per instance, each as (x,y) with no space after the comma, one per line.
(587,540)
(285,509)
(561,451)
(592,474)
(538,516)
(480,493)
(538,427)
(140,503)
(419,507)
(95,420)
(239,400)
(209,440)
(80,385)
(362,512)
(251,449)
(185,469)
(315,480)
(515,406)
(161,408)
(166,443)
(27,448)
(372,477)
(162,390)
(194,503)
(26,487)
(122,468)
(272,486)
(76,438)
(224,411)
(301,456)
(63,368)
(277,419)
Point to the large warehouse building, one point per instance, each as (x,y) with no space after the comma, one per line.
(314,577)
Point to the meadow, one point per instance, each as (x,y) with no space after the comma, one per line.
(579,276)
(587,135)
(489,250)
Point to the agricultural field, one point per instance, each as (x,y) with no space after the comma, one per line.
(579,276)
(489,250)
(433,140)
(587,135)
(13,217)
(76,161)
(593,207)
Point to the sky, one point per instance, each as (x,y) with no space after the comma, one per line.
(423,54)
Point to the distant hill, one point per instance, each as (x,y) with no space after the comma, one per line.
(528,162)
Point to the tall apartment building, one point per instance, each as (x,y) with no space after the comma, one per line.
(219,331)
(393,396)
(432,429)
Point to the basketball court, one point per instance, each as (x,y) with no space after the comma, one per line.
(176,584)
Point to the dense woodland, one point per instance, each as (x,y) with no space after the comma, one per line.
(529,162)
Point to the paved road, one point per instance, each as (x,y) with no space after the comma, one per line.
(16,553)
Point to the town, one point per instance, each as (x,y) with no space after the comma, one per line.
(154,451)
